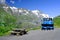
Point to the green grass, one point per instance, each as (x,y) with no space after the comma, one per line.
(7,22)
(36,28)
(57,22)
(5,34)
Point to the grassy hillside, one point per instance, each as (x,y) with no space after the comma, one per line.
(57,21)
(7,21)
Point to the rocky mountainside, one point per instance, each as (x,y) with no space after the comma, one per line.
(25,17)
(20,11)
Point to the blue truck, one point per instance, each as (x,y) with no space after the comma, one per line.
(47,24)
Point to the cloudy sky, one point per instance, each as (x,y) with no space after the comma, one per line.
(51,7)
(2,1)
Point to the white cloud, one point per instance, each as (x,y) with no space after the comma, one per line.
(2,1)
(12,1)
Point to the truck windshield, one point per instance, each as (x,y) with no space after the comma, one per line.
(47,19)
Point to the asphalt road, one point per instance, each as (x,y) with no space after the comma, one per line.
(36,35)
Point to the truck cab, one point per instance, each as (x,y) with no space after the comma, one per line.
(47,24)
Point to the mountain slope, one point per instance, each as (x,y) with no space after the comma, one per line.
(22,16)
(57,21)
(7,21)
